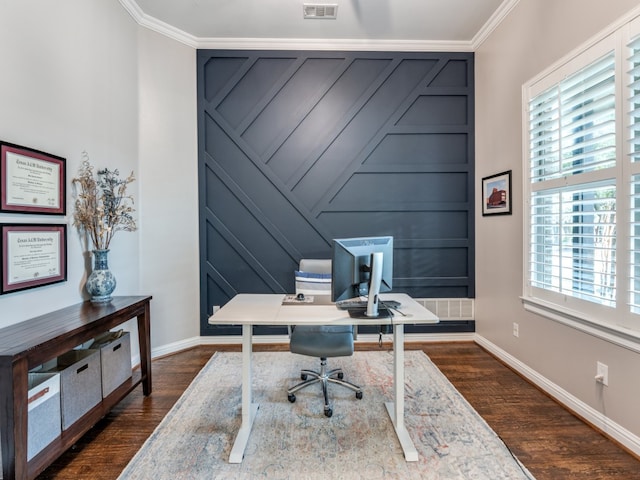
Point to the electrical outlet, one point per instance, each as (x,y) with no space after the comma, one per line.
(516,330)
(602,373)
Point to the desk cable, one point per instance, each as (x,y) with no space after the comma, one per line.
(386,328)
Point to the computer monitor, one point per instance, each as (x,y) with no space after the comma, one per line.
(362,267)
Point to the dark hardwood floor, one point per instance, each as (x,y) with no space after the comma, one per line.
(549,440)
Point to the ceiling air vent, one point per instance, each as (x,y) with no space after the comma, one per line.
(320,10)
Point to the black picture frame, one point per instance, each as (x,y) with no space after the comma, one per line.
(496,194)
(31,181)
(33,255)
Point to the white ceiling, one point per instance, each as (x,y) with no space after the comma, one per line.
(410,24)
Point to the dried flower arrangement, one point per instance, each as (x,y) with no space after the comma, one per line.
(102,205)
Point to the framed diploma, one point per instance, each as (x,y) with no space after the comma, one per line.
(31,181)
(32,255)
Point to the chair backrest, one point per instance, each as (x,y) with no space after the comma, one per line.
(320,286)
(314,277)
(314,265)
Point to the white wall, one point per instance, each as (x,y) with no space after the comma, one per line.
(536,34)
(69,84)
(82,75)
(169,187)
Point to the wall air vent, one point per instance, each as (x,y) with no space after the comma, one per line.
(320,10)
(451,308)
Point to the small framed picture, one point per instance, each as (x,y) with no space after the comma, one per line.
(496,194)
(31,181)
(33,255)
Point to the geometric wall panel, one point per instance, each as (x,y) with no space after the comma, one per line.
(297,148)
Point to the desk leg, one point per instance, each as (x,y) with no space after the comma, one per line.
(396,408)
(249,409)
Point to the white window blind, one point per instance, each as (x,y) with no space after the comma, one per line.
(634,155)
(634,100)
(572,125)
(634,287)
(572,231)
(573,242)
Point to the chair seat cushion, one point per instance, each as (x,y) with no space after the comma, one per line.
(322,341)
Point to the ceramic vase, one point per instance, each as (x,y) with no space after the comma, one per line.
(101,283)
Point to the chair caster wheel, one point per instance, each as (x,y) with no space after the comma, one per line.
(359,395)
(303,377)
(328,412)
(340,375)
(292,398)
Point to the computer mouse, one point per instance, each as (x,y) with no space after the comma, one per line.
(300,296)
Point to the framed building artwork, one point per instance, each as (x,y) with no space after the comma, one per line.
(496,194)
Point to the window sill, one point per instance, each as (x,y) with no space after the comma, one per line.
(615,334)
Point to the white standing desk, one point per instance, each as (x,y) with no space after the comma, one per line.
(258,309)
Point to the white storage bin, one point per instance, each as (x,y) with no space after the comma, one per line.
(80,383)
(44,411)
(115,360)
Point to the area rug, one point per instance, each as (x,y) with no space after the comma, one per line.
(296,440)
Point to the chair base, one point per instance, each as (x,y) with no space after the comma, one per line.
(324,377)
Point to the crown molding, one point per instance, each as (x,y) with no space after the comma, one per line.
(158,26)
(331,44)
(174,33)
(496,19)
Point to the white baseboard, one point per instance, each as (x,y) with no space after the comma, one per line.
(175,347)
(588,413)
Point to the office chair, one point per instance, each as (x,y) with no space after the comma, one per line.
(321,341)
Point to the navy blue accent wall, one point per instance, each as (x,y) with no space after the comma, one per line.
(297,148)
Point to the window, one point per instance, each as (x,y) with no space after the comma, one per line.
(583,154)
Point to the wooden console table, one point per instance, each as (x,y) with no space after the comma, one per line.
(28,344)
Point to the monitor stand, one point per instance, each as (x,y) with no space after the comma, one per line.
(362,313)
